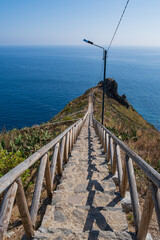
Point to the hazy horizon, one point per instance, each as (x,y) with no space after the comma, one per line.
(83,46)
(46,23)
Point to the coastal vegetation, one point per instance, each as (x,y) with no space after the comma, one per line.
(18,144)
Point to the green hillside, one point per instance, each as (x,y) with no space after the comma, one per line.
(125,123)
(16,145)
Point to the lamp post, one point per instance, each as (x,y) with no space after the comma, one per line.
(104,75)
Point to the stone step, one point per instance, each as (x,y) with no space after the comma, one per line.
(68,185)
(85,204)
(74,217)
(93,198)
(68,234)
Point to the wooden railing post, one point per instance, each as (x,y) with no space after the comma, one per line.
(23,209)
(6,209)
(77,131)
(54,162)
(97,129)
(146,216)
(62,154)
(48,179)
(133,192)
(156,200)
(114,158)
(72,136)
(109,149)
(75,137)
(102,136)
(70,141)
(110,152)
(119,166)
(104,142)
(67,147)
(124,179)
(99,132)
(37,189)
(59,166)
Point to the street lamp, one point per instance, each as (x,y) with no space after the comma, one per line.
(104,76)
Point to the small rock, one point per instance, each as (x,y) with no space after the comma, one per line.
(149,236)
(80,188)
(126,203)
(56,199)
(61,186)
(124,235)
(66,231)
(43,229)
(58,238)
(74,199)
(115,178)
(107,234)
(112,185)
(39,238)
(59,216)
(10,234)
(79,215)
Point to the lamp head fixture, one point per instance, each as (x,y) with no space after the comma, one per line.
(87,41)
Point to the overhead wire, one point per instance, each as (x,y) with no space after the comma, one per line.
(118,25)
(119,22)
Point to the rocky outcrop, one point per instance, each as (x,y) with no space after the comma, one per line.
(111,90)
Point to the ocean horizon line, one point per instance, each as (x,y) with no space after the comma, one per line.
(81,45)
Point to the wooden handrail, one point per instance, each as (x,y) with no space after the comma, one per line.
(150,172)
(16,172)
(12,185)
(61,147)
(126,177)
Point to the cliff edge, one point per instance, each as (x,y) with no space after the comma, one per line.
(111,90)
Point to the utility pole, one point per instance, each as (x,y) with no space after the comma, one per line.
(104,82)
(104,76)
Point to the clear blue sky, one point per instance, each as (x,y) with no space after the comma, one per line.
(67,22)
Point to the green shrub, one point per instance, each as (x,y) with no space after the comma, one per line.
(8,160)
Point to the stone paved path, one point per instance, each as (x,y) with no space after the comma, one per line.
(85,205)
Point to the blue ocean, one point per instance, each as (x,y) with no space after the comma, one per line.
(37,82)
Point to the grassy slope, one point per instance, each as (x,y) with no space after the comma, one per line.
(18,144)
(127,124)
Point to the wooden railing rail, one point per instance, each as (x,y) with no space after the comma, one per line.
(12,185)
(126,176)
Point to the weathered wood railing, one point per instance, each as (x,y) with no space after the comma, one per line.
(112,146)
(11,182)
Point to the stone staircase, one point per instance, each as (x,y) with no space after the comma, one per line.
(85,204)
